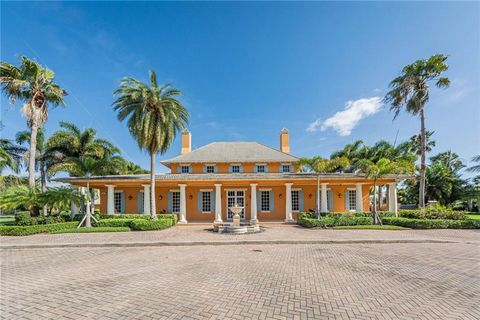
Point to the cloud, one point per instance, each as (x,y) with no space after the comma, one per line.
(344,121)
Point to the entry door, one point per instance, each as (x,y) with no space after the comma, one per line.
(235,197)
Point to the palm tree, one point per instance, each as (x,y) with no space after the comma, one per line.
(475,168)
(34,85)
(10,155)
(132,168)
(411,91)
(320,165)
(379,169)
(154,117)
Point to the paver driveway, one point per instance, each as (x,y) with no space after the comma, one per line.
(350,281)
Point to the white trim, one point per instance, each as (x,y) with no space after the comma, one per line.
(264,189)
(239,189)
(286,164)
(174,190)
(261,211)
(118,191)
(206,190)
(260,164)
(235,164)
(297,189)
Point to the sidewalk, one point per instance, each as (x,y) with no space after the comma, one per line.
(273,234)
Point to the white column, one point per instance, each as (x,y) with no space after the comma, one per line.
(183,204)
(288,202)
(253,204)
(392,198)
(324,202)
(110,199)
(359,197)
(146,198)
(218,203)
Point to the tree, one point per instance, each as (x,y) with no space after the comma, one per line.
(413,145)
(379,169)
(320,165)
(411,91)
(475,168)
(10,155)
(34,85)
(154,116)
(132,168)
(21,196)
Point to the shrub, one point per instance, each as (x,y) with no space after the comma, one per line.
(433,223)
(114,222)
(124,216)
(28,230)
(95,229)
(171,216)
(144,225)
(419,214)
(78,217)
(333,221)
(23,218)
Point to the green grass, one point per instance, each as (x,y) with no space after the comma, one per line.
(94,229)
(7,220)
(372,227)
(474,216)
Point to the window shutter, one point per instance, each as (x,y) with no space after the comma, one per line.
(179,169)
(204,169)
(199,201)
(330,200)
(266,169)
(259,201)
(291,168)
(215,169)
(347,200)
(140,202)
(190,169)
(229,169)
(300,200)
(255,169)
(272,201)
(169,203)
(212,201)
(122,202)
(280,168)
(241,169)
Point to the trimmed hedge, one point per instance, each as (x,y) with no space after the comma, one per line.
(333,221)
(172,216)
(418,214)
(144,225)
(114,223)
(92,230)
(78,217)
(124,216)
(28,230)
(433,223)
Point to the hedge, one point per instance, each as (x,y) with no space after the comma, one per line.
(333,221)
(28,230)
(144,225)
(412,214)
(433,223)
(114,223)
(171,216)
(94,229)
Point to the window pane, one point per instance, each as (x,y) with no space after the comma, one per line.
(206,202)
(260,168)
(352,199)
(185,169)
(176,201)
(265,201)
(117,202)
(285,168)
(210,169)
(295,200)
(236,169)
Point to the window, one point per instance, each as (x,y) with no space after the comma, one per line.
(185,169)
(352,199)
(236,169)
(206,201)
(210,169)
(176,201)
(285,168)
(295,200)
(264,200)
(261,168)
(117,201)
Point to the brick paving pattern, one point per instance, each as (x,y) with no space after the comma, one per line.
(350,281)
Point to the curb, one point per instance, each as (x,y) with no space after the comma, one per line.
(209,243)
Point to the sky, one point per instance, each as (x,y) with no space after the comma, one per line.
(249,69)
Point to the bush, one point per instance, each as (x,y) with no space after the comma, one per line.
(95,229)
(171,216)
(28,230)
(114,222)
(144,225)
(333,221)
(78,217)
(433,223)
(419,214)
(124,216)
(23,218)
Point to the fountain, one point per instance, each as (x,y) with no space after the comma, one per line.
(236,226)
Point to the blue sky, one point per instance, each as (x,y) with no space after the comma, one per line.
(249,69)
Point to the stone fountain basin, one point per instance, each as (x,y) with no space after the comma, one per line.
(230,228)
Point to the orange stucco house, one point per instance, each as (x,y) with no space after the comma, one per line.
(204,183)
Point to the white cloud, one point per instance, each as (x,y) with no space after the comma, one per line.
(344,121)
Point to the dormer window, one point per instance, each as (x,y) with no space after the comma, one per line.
(236,169)
(210,169)
(261,169)
(185,169)
(285,168)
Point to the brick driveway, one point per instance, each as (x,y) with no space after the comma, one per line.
(349,281)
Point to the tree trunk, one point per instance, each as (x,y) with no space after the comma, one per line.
(376,217)
(153,211)
(43,178)
(88,221)
(423,166)
(31,155)
(318,197)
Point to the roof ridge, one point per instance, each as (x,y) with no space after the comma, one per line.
(288,154)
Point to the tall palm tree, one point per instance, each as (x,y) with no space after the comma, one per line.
(154,117)
(10,155)
(320,165)
(475,168)
(379,169)
(411,91)
(34,85)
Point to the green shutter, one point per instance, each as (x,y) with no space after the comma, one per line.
(204,169)
(169,203)
(140,202)
(199,201)
(301,200)
(330,200)
(255,169)
(241,168)
(212,201)
(259,201)
(229,169)
(122,202)
(215,169)
(179,169)
(272,201)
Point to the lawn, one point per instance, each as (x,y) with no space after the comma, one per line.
(473,216)
(372,227)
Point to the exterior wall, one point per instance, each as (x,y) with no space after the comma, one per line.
(223,167)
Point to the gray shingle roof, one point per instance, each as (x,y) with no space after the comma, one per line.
(233,152)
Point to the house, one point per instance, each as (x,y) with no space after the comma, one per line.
(204,183)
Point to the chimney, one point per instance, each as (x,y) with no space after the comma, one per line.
(284,143)
(186,142)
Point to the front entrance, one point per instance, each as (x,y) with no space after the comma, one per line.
(235,197)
